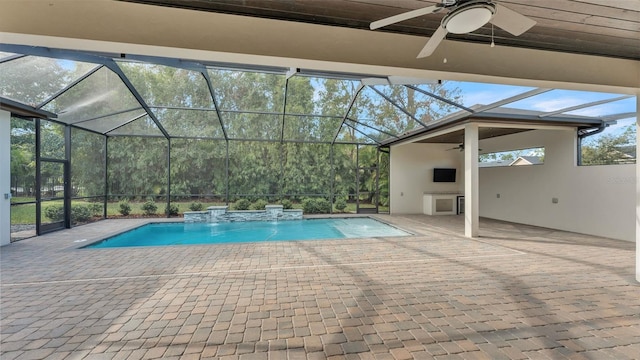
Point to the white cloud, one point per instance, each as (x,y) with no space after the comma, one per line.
(555,104)
(483,98)
(595,111)
(488,97)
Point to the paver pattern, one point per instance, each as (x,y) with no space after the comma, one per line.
(517,292)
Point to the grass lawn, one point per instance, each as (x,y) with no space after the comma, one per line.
(23,214)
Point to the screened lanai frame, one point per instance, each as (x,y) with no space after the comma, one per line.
(353,122)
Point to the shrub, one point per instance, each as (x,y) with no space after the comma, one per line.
(149,207)
(172,210)
(286,204)
(309,206)
(316,206)
(54,212)
(259,204)
(96,209)
(124,208)
(196,206)
(341,204)
(80,213)
(242,204)
(323,205)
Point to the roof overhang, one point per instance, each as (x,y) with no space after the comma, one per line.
(20,109)
(507,123)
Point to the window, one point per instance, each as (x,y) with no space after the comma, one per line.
(521,157)
(616,145)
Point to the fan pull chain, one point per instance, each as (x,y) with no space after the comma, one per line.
(493,44)
(444,60)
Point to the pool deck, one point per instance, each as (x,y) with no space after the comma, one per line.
(516,292)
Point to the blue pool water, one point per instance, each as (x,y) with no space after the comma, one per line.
(161,234)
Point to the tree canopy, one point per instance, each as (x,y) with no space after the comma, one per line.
(257,135)
(610,148)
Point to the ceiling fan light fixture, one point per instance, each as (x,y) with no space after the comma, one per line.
(469,18)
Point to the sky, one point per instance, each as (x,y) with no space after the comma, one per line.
(557,99)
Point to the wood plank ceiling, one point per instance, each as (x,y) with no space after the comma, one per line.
(595,27)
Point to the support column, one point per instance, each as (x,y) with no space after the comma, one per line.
(637,179)
(5,177)
(471,188)
(67,176)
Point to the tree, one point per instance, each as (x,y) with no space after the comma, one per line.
(87,163)
(375,110)
(607,149)
(46,77)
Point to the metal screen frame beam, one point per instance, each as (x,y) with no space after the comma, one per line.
(106,176)
(590,104)
(69,86)
(38,179)
(84,129)
(284,107)
(346,113)
(512,99)
(113,66)
(361,132)
(12,57)
(333,178)
(125,124)
(207,79)
(438,97)
(105,116)
(397,106)
(168,212)
(67,177)
(619,116)
(373,128)
(226,165)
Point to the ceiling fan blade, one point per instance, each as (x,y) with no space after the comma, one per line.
(404,16)
(433,42)
(511,21)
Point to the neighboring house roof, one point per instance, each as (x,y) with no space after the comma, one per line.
(527,160)
(629,150)
(494,163)
(521,160)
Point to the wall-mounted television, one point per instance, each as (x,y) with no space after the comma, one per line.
(444,175)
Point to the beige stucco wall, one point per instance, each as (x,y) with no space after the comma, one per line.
(593,200)
(412,174)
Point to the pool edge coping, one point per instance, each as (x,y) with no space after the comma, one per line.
(89,242)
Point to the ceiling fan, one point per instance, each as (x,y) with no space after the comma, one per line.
(459,147)
(464,16)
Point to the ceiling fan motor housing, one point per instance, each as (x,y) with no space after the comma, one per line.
(469,17)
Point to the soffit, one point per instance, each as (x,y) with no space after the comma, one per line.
(457,137)
(594,27)
(124,27)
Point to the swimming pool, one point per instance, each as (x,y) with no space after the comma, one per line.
(162,234)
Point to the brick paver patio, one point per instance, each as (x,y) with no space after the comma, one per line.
(517,292)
